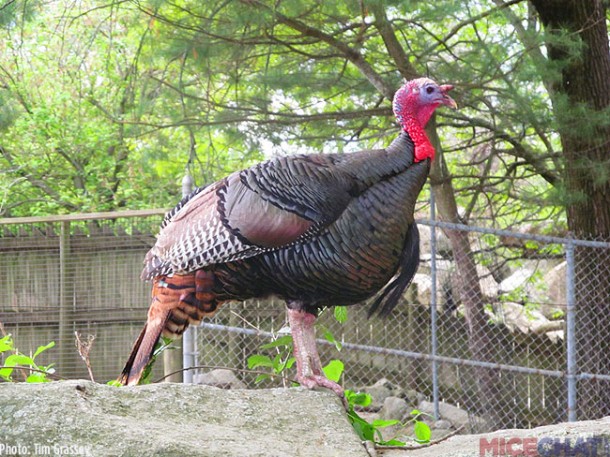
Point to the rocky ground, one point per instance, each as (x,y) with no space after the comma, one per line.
(88,419)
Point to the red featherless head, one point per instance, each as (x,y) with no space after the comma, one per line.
(414,103)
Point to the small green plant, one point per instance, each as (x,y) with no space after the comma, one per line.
(19,361)
(282,361)
(367,431)
(421,429)
(162,345)
(371,431)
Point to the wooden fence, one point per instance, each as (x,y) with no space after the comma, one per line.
(81,273)
(76,273)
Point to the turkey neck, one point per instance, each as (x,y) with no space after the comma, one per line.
(413,126)
(371,166)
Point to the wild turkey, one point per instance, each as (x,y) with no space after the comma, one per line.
(315,230)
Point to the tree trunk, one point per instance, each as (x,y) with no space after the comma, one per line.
(493,401)
(577,43)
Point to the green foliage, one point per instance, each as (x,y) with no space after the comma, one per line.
(279,364)
(162,345)
(340,313)
(103,107)
(371,431)
(368,431)
(421,429)
(328,336)
(333,370)
(23,363)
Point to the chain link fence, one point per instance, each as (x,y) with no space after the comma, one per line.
(511,328)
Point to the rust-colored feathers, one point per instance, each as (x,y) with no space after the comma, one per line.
(177,302)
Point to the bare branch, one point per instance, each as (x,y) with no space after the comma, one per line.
(395,50)
(84,348)
(470,20)
(349,53)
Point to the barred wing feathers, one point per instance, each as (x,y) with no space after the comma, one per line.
(265,207)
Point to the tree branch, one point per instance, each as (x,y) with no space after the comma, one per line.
(38,183)
(394,48)
(349,53)
(520,150)
(470,20)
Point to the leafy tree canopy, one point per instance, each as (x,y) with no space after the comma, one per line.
(105,105)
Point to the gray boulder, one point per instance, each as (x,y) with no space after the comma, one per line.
(459,418)
(221,378)
(394,408)
(87,419)
(381,390)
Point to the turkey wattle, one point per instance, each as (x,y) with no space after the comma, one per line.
(315,230)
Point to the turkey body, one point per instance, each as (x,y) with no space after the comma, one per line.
(344,229)
(314,230)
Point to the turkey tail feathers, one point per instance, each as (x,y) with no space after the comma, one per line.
(387,300)
(142,351)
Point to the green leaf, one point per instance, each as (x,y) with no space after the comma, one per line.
(19,359)
(290,362)
(340,313)
(114,383)
(281,366)
(358,398)
(6,344)
(334,370)
(364,430)
(285,340)
(422,432)
(43,348)
(14,360)
(259,360)
(380,423)
(261,378)
(5,373)
(37,376)
(328,336)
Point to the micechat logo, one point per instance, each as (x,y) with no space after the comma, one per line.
(544,447)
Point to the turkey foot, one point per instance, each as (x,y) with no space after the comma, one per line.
(309,367)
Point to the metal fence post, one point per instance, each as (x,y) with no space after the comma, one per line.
(189,338)
(175,361)
(433,336)
(65,321)
(570,332)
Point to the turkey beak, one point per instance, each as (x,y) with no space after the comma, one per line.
(447,100)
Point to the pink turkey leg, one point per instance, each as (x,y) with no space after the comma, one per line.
(309,368)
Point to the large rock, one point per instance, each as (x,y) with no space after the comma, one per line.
(221,378)
(88,419)
(552,295)
(455,415)
(395,408)
(379,391)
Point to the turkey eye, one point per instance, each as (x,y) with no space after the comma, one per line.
(429,89)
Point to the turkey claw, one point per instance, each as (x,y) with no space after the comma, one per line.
(313,381)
